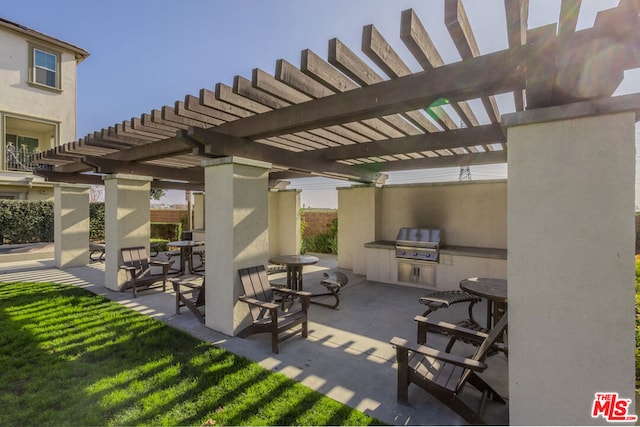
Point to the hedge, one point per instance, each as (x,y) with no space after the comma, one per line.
(31,221)
(26,221)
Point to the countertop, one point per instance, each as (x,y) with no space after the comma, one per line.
(470,251)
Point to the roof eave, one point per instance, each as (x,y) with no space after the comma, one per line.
(80,54)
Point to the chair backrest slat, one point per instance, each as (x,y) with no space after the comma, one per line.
(255,283)
(136,257)
(483,350)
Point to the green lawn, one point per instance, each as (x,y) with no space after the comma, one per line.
(68,357)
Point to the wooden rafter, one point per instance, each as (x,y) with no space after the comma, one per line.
(338,117)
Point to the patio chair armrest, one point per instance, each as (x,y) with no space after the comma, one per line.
(128,268)
(475,365)
(159,263)
(291,292)
(261,304)
(177,283)
(427,325)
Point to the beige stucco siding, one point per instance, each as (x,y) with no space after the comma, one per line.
(471,214)
(18,97)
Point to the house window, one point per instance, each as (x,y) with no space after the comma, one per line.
(44,68)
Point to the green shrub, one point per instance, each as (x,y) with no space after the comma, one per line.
(96,221)
(324,243)
(26,221)
(162,244)
(169,231)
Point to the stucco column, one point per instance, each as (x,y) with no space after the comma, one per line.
(570,260)
(357,225)
(236,235)
(198,211)
(284,222)
(71,225)
(126,221)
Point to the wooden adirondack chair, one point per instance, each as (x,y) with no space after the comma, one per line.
(444,375)
(466,331)
(191,296)
(138,268)
(267,313)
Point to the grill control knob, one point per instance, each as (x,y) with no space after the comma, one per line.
(403,252)
(415,254)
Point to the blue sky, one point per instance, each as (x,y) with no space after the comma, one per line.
(148,53)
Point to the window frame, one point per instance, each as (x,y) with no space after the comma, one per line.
(33,67)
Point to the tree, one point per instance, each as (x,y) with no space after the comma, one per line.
(157,193)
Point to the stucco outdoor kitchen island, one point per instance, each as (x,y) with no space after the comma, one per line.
(456,263)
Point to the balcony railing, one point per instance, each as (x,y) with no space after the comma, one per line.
(19,158)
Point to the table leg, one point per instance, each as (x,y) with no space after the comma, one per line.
(183,257)
(490,308)
(189,251)
(294,277)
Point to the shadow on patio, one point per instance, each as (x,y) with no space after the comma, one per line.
(347,355)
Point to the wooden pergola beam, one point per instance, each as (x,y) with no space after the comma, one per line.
(417,40)
(157,150)
(109,166)
(492,73)
(222,145)
(569,11)
(517,15)
(382,54)
(459,28)
(464,137)
(486,158)
(77,178)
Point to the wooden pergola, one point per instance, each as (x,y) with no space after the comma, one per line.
(570,265)
(339,118)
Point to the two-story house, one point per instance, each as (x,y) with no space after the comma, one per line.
(37,104)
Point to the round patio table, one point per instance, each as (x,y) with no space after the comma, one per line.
(294,264)
(494,291)
(186,253)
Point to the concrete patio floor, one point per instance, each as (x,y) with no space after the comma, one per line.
(347,355)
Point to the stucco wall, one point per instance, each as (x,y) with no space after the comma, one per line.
(470,213)
(18,97)
(284,222)
(571,310)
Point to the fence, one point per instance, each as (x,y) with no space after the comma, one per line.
(318,221)
(19,158)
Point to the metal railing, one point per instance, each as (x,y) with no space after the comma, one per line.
(19,158)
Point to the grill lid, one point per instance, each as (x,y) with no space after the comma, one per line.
(419,237)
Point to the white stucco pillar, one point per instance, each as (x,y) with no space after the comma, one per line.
(71,225)
(284,222)
(236,235)
(570,260)
(126,221)
(198,211)
(357,225)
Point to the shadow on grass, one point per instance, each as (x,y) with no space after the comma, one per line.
(72,358)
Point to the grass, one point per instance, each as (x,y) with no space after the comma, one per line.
(69,357)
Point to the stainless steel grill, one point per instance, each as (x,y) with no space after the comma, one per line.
(421,244)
